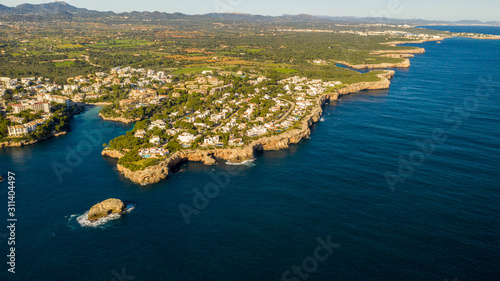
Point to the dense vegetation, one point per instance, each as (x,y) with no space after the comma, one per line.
(97,44)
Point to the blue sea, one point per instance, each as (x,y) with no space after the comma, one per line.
(401,184)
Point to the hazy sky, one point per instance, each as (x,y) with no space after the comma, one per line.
(485,10)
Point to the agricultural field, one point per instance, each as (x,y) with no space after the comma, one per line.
(61,49)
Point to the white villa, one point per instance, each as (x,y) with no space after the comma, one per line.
(155,140)
(186,138)
(152,152)
(235,142)
(212,140)
(158,124)
(257,131)
(140,134)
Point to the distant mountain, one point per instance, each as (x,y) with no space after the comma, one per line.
(58,8)
(49,8)
(4,9)
(61,9)
(152,15)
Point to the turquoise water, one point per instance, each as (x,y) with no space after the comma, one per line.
(440,220)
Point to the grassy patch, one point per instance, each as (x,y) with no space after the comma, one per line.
(141,164)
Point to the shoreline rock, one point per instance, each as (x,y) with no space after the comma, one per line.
(106,208)
(157,173)
(111,153)
(404,64)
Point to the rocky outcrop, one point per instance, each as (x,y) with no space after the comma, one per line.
(106,208)
(112,153)
(159,172)
(398,56)
(395,43)
(408,51)
(152,174)
(383,83)
(404,64)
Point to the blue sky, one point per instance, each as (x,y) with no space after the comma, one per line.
(485,10)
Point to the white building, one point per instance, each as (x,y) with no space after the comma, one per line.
(155,140)
(35,106)
(22,130)
(186,138)
(153,151)
(257,131)
(211,140)
(140,134)
(158,124)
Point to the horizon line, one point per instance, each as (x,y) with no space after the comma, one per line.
(250,14)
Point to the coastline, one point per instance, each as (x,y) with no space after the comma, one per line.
(11,143)
(161,171)
(401,54)
(26,143)
(404,64)
(119,119)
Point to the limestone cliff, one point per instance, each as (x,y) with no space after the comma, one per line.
(160,171)
(404,64)
(409,51)
(112,153)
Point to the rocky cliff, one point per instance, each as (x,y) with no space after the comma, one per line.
(160,172)
(112,153)
(106,208)
(383,83)
(404,64)
(410,51)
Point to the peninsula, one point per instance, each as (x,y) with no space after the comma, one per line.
(197,88)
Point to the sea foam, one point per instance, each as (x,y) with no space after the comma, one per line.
(83,220)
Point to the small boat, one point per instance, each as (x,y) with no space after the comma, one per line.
(322,119)
(439,42)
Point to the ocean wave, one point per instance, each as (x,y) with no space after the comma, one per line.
(83,220)
(249,163)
